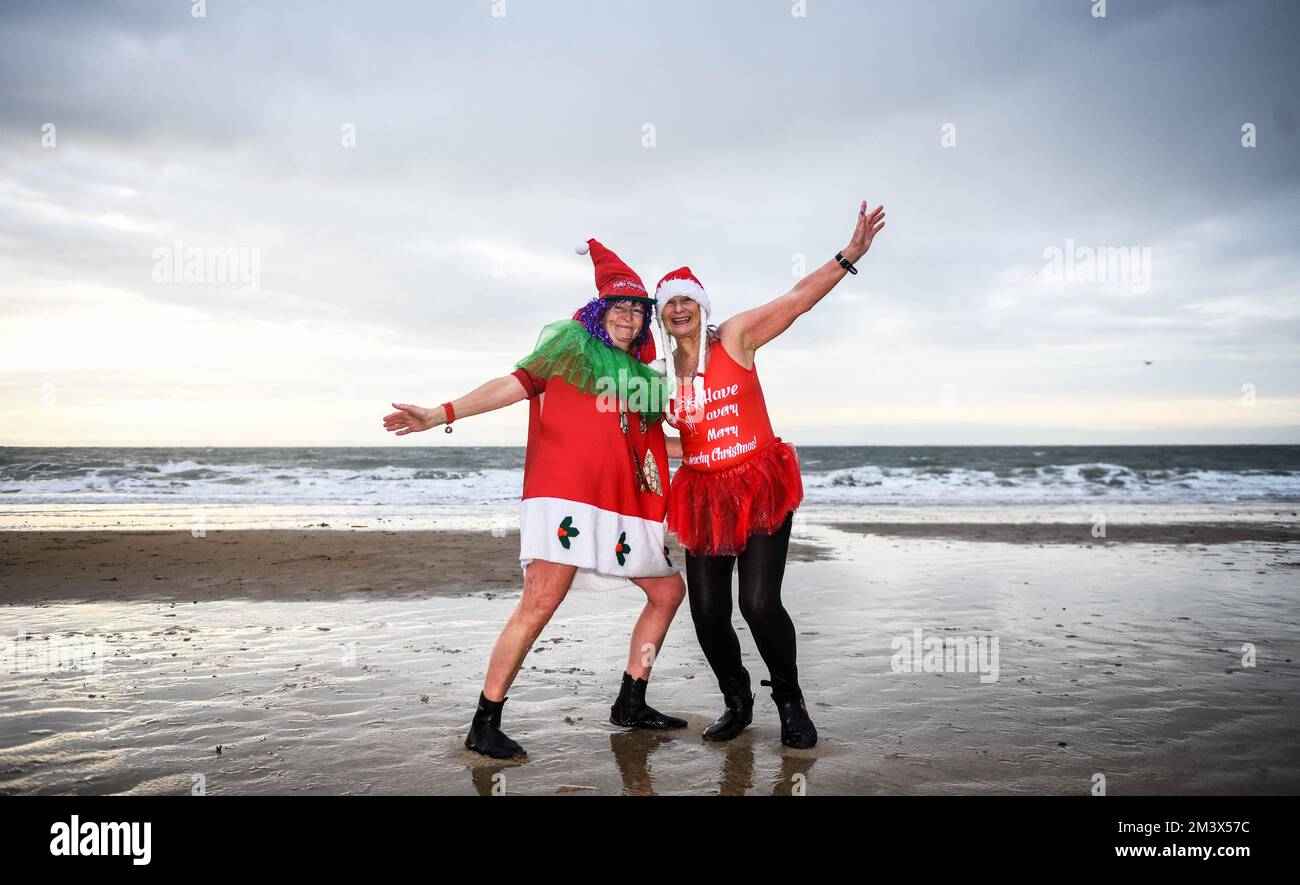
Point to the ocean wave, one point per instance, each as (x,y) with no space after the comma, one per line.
(494,476)
(235,484)
(1048,483)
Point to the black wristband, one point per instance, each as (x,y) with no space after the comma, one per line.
(845,263)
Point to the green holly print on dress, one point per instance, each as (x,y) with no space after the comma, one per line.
(622,548)
(566,531)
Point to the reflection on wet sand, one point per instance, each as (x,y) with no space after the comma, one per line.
(1124,660)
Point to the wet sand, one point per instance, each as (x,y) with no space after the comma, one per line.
(357,673)
(265,565)
(1079,533)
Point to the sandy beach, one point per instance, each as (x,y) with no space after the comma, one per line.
(348,662)
(268,565)
(1200,533)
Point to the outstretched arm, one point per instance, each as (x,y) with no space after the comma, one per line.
(495,394)
(750,330)
(674,446)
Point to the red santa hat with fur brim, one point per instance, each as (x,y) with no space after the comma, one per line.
(683,283)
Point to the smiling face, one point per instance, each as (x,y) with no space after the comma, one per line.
(681,316)
(623,322)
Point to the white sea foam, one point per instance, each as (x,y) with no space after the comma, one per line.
(1047,484)
(215,482)
(453,480)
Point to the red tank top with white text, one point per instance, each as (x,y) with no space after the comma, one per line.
(734,424)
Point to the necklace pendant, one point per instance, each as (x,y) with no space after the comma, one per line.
(650,475)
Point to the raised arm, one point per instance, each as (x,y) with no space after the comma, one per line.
(751,329)
(495,394)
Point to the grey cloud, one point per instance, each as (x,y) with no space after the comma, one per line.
(526,132)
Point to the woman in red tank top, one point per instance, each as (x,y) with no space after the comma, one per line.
(732,501)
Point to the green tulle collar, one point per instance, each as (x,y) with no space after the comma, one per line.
(615,377)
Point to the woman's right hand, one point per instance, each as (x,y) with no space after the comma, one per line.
(412,419)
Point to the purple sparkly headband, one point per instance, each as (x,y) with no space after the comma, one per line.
(592,317)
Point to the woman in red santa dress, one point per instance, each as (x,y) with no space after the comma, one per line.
(733,499)
(595,482)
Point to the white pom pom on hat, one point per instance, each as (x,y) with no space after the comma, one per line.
(582,248)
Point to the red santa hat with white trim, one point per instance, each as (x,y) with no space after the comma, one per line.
(683,283)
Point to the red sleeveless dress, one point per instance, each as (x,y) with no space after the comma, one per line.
(737,478)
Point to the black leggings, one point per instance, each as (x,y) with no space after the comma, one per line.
(761,566)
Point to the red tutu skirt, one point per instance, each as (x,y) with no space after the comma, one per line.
(713,514)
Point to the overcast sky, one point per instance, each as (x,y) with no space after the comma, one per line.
(411,178)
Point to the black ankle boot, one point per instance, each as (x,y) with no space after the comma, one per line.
(797,729)
(630,710)
(740,708)
(485,734)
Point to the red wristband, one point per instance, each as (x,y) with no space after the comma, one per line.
(451,413)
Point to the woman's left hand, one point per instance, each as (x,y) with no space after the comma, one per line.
(869,224)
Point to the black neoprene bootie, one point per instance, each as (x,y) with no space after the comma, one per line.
(485,734)
(740,708)
(797,729)
(631,710)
